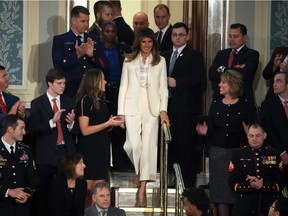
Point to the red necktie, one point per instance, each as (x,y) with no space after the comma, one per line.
(231,58)
(58,123)
(286,107)
(3,105)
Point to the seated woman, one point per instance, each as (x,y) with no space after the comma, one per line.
(68,189)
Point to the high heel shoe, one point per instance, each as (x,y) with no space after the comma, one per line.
(142,198)
(136,182)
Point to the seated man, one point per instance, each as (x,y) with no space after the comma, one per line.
(9,104)
(255,174)
(102,200)
(195,202)
(279,207)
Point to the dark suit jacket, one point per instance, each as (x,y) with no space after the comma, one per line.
(46,138)
(58,200)
(189,74)
(22,165)
(166,43)
(10,100)
(112,211)
(95,30)
(124,32)
(268,74)
(245,62)
(275,122)
(64,56)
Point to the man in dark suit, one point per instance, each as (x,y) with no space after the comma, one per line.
(102,200)
(103,12)
(274,113)
(185,78)
(9,104)
(52,124)
(115,54)
(18,176)
(239,58)
(76,51)
(124,32)
(162,17)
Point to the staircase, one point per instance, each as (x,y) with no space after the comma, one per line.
(125,194)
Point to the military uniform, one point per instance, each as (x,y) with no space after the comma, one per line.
(16,171)
(262,163)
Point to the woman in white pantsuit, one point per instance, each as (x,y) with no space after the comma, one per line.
(143,97)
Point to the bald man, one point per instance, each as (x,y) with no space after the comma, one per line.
(140,21)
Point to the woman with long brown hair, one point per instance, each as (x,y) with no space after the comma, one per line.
(95,122)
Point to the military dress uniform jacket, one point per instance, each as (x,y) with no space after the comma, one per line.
(64,56)
(263,163)
(15,172)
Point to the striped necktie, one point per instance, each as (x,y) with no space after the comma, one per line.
(2,104)
(172,62)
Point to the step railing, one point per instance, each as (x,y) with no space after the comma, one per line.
(180,187)
(165,140)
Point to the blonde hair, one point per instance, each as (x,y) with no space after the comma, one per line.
(235,81)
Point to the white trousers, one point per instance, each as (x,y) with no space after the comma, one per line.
(142,139)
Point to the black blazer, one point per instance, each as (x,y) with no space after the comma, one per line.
(57,197)
(46,138)
(245,62)
(268,74)
(189,74)
(95,30)
(124,32)
(275,123)
(166,43)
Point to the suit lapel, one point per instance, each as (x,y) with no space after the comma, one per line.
(46,104)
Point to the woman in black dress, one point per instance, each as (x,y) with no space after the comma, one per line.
(68,190)
(95,122)
(226,130)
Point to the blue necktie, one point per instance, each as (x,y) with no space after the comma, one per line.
(172,62)
(159,37)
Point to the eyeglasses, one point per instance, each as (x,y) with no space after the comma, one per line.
(180,35)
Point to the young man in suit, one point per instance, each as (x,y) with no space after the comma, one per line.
(9,104)
(162,17)
(124,32)
(103,12)
(76,51)
(102,200)
(52,123)
(274,113)
(185,77)
(239,58)
(18,176)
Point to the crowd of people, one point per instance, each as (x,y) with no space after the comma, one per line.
(112,84)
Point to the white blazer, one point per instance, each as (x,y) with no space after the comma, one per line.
(130,87)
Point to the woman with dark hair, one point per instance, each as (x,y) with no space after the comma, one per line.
(68,190)
(95,122)
(226,130)
(143,97)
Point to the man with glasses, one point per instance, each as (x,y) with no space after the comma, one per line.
(185,77)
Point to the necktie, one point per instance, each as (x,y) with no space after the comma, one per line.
(3,105)
(286,107)
(102,213)
(231,58)
(58,123)
(159,37)
(172,62)
(79,40)
(12,153)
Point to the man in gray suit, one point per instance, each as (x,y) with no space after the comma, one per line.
(102,200)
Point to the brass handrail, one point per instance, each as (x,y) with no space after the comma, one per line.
(180,187)
(165,139)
